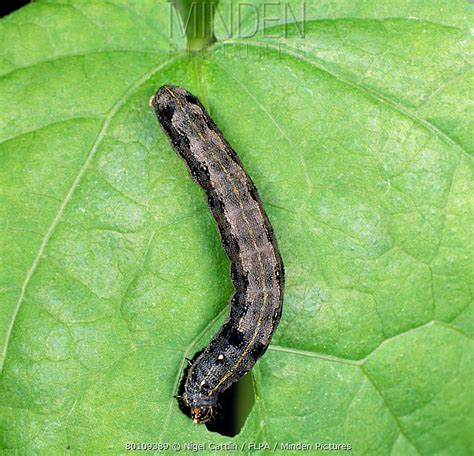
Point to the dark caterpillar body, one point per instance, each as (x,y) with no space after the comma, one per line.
(247,236)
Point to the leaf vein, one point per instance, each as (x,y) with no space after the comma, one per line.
(69,194)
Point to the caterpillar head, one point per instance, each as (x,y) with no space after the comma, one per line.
(198,406)
(202,414)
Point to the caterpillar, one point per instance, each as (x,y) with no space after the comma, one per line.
(257,271)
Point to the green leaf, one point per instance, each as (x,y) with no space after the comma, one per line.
(358,137)
(196,17)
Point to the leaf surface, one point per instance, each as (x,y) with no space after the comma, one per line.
(357,136)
